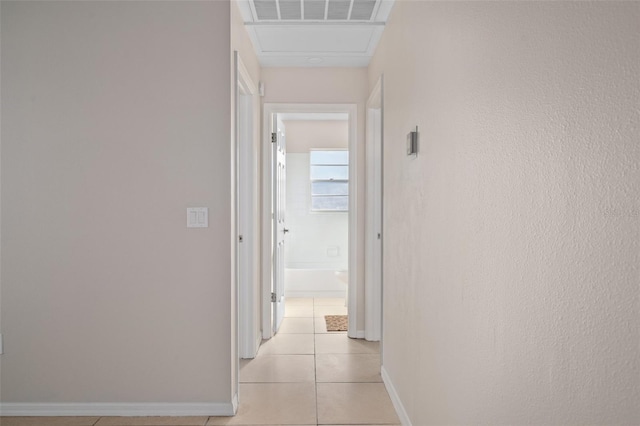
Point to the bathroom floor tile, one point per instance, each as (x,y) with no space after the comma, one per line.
(298,311)
(321,311)
(354,403)
(328,301)
(298,301)
(319,325)
(288,344)
(342,344)
(278,368)
(336,368)
(293,325)
(273,404)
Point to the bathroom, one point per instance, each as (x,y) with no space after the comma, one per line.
(316,253)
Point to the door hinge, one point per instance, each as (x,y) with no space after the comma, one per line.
(274,297)
(274,137)
(240,238)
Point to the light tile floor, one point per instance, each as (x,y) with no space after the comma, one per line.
(303,376)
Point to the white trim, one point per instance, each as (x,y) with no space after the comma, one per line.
(358,335)
(118,409)
(395,398)
(258,341)
(352,110)
(267,232)
(245,196)
(316,23)
(246,10)
(234,404)
(384,10)
(352,288)
(373,219)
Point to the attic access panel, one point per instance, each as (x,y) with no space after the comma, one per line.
(314,39)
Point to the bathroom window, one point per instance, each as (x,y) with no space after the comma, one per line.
(329,180)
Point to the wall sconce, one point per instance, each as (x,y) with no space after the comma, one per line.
(412,142)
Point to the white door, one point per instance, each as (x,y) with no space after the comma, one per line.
(279,224)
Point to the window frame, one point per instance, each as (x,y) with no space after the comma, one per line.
(328,180)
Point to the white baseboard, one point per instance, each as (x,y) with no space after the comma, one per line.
(234,404)
(258,343)
(359,334)
(115,409)
(395,399)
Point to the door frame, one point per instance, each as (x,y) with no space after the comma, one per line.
(278,202)
(374,235)
(247,208)
(267,197)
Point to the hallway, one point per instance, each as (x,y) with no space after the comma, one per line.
(303,376)
(307,376)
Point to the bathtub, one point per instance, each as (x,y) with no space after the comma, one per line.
(314,283)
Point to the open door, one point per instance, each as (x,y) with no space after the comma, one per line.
(279,174)
(373,223)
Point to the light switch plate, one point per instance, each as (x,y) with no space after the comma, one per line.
(197,217)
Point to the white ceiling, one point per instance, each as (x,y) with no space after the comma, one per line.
(315,33)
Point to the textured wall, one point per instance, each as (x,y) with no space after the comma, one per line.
(116,118)
(511,245)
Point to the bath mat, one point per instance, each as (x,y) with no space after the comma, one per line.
(336,322)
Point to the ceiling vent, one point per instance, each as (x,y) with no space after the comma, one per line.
(314,33)
(314,10)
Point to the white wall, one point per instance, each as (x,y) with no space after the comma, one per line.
(316,240)
(314,237)
(116,118)
(512,241)
(305,135)
(327,85)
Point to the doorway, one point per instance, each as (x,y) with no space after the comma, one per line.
(273,261)
(316,259)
